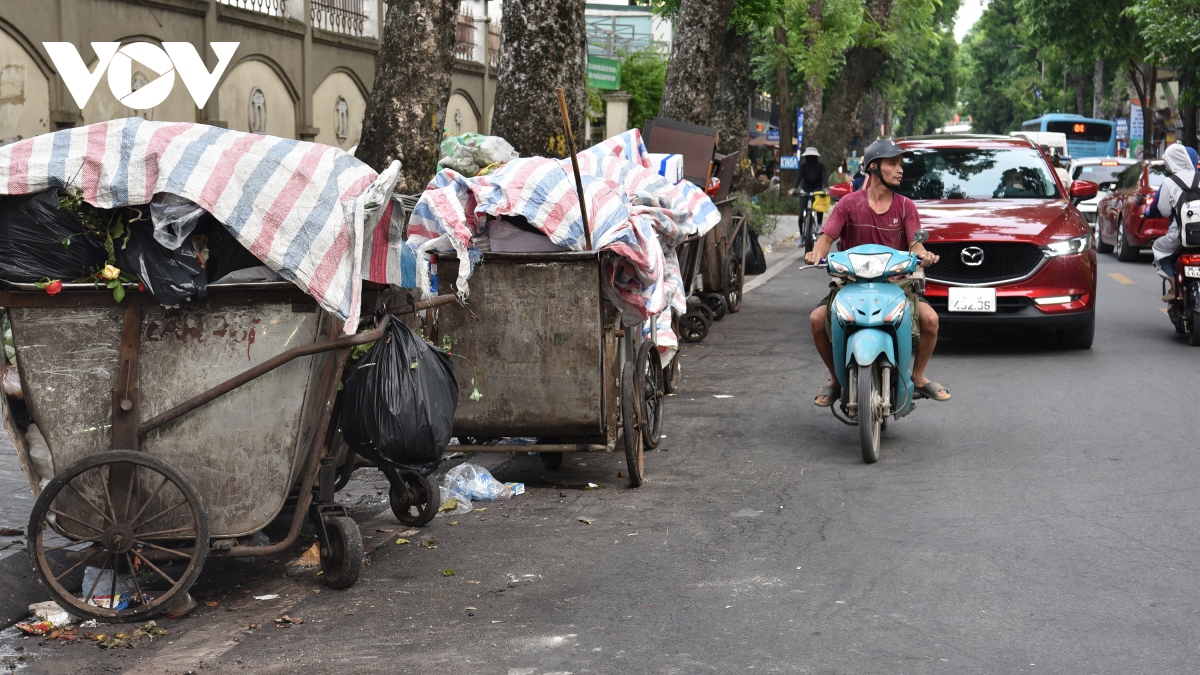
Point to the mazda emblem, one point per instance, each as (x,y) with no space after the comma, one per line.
(971,256)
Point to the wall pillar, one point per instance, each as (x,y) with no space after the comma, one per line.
(616,113)
(211,114)
(305,130)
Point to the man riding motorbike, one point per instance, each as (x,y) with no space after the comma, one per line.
(1182,169)
(877,215)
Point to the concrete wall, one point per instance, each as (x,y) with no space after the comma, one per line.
(24,92)
(339,89)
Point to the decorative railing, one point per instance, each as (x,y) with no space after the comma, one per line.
(464,36)
(268,7)
(347,17)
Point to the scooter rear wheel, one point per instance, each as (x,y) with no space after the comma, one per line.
(869,419)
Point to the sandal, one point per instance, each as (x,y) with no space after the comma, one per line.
(831,391)
(930,390)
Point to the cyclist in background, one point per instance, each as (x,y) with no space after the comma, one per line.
(812,177)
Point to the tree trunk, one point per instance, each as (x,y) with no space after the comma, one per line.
(1079,80)
(731,104)
(1145,82)
(1097,87)
(406,110)
(814,83)
(695,50)
(1187,106)
(545,47)
(838,117)
(783,91)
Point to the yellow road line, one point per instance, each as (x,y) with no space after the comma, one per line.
(1121,278)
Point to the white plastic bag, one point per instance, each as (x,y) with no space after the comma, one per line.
(467,482)
(174,219)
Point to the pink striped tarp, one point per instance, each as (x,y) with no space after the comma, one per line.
(311,212)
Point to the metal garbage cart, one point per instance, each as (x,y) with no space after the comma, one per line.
(551,360)
(139,479)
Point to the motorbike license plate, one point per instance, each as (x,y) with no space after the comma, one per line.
(1191,271)
(972,299)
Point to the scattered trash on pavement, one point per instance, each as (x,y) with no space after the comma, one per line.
(585,521)
(182,607)
(51,612)
(722,396)
(515,488)
(272,596)
(286,621)
(467,482)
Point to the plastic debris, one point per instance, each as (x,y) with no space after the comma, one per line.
(515,488)
(474,154)
(52,612)
(182,607)
(174,218)
(103,593)
(591,486)
(272,596)
(36,627)
(467,482)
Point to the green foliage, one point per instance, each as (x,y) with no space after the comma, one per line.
(755,213)
(1169,29)
(777,202)
(1002,83)
(595,104)
(921,78)
(643,76)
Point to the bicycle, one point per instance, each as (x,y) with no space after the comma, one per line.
(810,219)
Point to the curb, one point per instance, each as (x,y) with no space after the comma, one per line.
(18,589)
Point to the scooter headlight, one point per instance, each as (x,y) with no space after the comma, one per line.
(838,268)
(900,267)
(869,266)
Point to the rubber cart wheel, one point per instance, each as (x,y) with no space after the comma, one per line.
(735,278)
(692,327)
(716,303)
(631,435)
(706,314)
(414,500)
(650,393)
(551,460)
(342,560)
(124,512)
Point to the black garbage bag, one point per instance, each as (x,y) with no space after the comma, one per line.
(756,262)
(225,253)
(32,231)
(399,400)
(170,277)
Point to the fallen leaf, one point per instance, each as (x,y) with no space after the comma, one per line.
(401,541)
(285,619)
(620,474)
(447,573)
(473,581)
(450,504)
(483,509)
(385,531)
(252,626)
(585,521)
(10,532)
(470,609)
(211,603)
(311,557)
(410,533)
(452,524)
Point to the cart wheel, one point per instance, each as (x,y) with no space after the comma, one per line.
(634,455)
(735,278)
(671,375)
(650,389)
(342,560)
(716,303)
(131,516)
(693,327)
(551,460)
(415,501)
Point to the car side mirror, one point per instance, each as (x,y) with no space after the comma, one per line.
(840,190)
(1082,190)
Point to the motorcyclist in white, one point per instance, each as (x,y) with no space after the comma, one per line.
(1166,247)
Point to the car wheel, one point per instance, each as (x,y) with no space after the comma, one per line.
(1125,252)
(1101,247)
(1080,337)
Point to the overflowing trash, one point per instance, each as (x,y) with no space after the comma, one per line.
(39,240)
(473,154)
(105,592)
(170,276)
(467,482)
(51,612)
(399,401)
(174,219)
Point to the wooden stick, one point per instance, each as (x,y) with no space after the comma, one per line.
(562,108)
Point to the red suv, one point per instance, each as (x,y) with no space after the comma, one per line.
(1014,249)
(1121,223)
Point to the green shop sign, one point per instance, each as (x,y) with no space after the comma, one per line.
(603,73)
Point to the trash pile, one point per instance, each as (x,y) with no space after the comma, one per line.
(473,154)
(219,202)
(635,215)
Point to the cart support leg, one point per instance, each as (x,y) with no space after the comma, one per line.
(125,393)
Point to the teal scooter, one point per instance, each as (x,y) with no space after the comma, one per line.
(872,337)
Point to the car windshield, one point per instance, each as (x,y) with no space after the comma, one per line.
(1158,172)
(1097,173)
(978,173)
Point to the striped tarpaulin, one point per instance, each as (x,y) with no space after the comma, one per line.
(633,212)
(308,211)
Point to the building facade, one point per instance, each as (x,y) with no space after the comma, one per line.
(303,68)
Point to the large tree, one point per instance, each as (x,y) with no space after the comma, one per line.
(545,47)
(695,52)
(1169,29)
(1001,78)
(406,111)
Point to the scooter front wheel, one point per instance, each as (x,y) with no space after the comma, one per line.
(870,420)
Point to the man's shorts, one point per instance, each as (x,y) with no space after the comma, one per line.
(910,291)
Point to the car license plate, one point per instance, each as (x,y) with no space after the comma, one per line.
(1191,271)
(972,299)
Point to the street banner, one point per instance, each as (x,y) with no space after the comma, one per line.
(789,162)
(799,130)
(1122,128)
(603,73)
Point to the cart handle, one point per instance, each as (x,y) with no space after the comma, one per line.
(260,370)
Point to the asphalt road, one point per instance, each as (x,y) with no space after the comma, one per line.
(1044,520)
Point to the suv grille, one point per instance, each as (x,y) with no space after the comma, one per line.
(1002,261)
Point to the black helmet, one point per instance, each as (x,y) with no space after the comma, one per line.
(883,148)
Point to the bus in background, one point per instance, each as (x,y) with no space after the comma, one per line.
(1086,137)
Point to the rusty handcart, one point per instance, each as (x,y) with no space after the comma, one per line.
(139,480)
(551,359)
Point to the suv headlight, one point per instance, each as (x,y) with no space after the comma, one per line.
(1069,246)
(869,266)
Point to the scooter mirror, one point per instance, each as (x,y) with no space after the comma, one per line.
(920,236)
